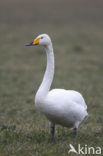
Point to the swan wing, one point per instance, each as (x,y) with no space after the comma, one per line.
(64,107)
(67,96)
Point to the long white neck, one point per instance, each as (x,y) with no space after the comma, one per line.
(49,73)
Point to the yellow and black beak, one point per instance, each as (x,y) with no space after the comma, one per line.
(35,42)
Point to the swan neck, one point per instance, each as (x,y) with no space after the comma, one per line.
(49,73)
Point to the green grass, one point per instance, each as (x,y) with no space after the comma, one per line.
(77,35)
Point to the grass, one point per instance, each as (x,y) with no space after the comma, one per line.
(77,35)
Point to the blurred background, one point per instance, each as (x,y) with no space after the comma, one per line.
(76,29)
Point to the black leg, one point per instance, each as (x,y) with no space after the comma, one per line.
(75,132)
(52,131)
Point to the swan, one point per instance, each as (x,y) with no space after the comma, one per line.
(60,106)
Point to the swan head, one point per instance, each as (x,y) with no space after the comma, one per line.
(42,39)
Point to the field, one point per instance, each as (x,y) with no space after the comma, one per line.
(76,29)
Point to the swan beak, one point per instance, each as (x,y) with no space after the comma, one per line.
(35,42)
(29,44)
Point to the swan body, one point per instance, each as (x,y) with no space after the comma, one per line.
(64,107)
(60,106)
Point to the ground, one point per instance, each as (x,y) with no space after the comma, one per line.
(76,29)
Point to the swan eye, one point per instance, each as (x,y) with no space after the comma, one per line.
(42,37)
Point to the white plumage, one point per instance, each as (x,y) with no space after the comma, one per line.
(64,107)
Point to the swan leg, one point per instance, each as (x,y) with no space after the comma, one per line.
(52,131)
(75,132)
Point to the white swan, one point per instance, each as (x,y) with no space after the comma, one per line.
(63,107)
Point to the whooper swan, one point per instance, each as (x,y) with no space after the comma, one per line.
(60,106)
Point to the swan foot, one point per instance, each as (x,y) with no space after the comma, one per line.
(52,131)
(75,132)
